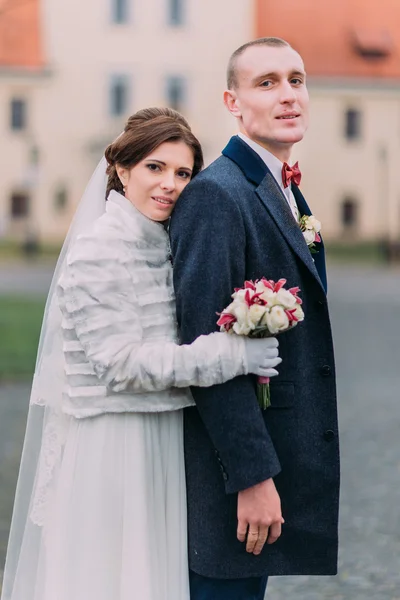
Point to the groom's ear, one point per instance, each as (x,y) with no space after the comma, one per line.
(231,103)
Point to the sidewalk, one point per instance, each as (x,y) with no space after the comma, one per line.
(365,308)
(27,278)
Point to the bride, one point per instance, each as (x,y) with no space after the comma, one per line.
(100,508)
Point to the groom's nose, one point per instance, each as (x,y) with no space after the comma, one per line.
(288,94)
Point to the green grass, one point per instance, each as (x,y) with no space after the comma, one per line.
(361,253)
(20,323)
(11,249)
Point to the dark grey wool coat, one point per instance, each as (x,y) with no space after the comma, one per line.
(233,223)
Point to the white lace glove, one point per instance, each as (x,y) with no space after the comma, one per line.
(262,356)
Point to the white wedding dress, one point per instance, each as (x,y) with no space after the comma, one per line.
(108,513)
(118,527)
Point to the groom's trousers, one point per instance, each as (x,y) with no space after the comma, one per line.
(205,588)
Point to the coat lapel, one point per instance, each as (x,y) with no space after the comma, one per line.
(271,195)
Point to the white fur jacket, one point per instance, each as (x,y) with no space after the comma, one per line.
(119,327)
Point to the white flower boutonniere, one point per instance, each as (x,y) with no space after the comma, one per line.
(310,227)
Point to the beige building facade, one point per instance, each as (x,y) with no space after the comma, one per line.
(351,51)
(18,156)
(104,60)
(349,159)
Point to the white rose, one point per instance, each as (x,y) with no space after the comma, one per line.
(299,314)
(229,309)
(285,298)
(266,293)
(241,329)
(256,314)
(239,296)
(268,296)
(309,236)
(313,223)
(239,309)
(260,287)
(244,325)
(277,320)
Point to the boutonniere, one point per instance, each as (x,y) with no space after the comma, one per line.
(310,227)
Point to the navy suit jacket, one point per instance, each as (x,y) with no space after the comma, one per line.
(233,223)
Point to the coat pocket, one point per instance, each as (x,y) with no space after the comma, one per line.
(282,395)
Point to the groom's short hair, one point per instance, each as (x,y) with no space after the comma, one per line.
(266,41)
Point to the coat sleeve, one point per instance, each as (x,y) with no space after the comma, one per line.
(96,294)
(208,243)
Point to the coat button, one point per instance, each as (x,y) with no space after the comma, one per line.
(329,435)
(225,476)
(326,370)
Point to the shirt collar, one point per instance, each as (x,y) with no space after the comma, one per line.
(273,163)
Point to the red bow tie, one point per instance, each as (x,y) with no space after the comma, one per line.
(291,174)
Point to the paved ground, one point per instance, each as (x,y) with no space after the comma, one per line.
(366,321)
(26,278)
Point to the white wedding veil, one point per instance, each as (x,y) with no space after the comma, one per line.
(46,424)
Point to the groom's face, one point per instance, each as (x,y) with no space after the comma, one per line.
(270,98)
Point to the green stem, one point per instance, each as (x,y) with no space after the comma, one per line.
(264,395)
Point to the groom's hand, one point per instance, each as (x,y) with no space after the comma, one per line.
(259,516)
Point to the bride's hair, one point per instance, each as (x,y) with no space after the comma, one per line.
(143,133)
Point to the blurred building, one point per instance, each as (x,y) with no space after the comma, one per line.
(22,75)
(71,72)
(75,70)
(351,50)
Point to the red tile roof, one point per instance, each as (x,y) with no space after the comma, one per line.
(20,34)
(353,38)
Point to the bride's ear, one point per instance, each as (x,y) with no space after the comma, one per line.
(123,175)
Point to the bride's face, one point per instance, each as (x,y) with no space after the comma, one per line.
(154,185)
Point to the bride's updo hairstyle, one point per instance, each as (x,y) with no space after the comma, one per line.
(144,132)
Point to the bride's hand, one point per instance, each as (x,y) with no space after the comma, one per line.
(262,356)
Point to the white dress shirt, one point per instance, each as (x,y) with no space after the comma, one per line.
(275,166)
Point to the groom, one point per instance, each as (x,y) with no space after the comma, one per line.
(248,470)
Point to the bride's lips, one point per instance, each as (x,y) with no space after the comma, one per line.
(163,201)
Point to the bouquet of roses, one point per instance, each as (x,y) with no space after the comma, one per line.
(262,308)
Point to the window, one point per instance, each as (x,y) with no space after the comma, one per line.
(19,205)
(175,12)
(353,124)
(119,92)
(61,199)
(373,45)
(18,116)
(119,11)
(34,155)
(176,93)
(349,216)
